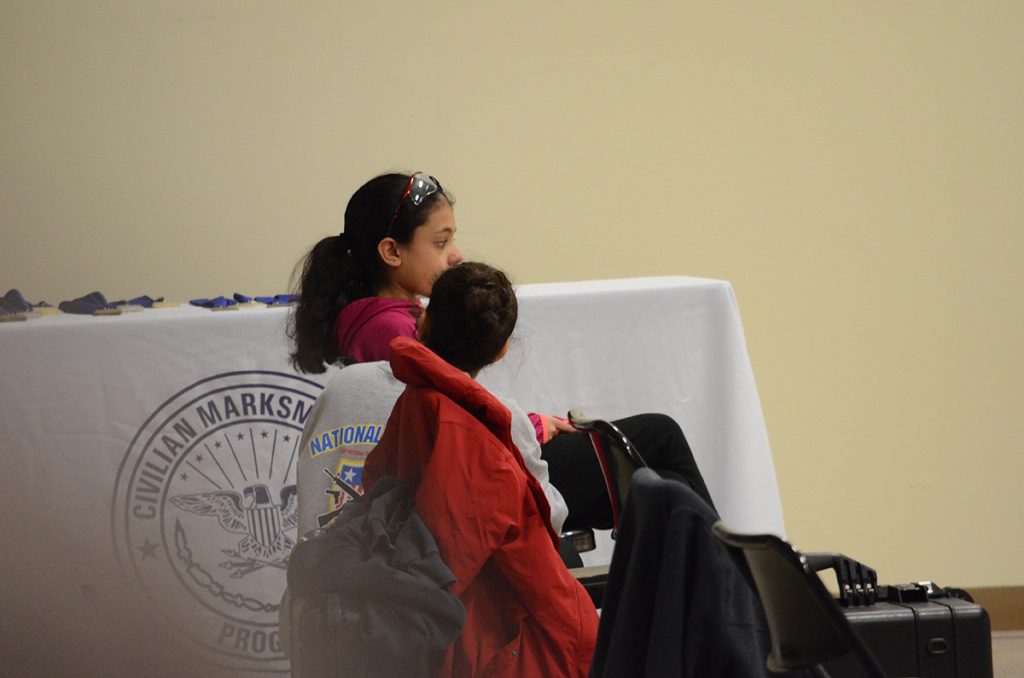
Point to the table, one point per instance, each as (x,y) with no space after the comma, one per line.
(147,455)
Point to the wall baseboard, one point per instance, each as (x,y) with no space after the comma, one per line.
(1004,604)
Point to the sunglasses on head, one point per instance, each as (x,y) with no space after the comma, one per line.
(420,187)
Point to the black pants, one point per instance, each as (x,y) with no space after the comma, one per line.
(574,470)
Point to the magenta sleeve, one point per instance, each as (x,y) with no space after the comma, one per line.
(539,428)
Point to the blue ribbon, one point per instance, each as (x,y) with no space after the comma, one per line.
(278,299)
(217,302)
(86,305)
(145,301)
(239,298)
(14,302)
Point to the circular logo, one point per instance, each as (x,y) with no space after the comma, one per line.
(205,512)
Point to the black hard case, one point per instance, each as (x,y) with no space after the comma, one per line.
(940,638)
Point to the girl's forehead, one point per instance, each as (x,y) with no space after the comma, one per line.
(442,218)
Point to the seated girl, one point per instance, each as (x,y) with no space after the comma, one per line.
(449,438)
(346,423)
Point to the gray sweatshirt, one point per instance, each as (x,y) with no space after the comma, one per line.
(345,424)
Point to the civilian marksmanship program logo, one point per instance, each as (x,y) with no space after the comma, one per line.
(205,512)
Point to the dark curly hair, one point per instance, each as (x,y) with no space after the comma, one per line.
(343,268)
(472,313)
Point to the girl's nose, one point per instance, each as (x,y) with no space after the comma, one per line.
(454,257)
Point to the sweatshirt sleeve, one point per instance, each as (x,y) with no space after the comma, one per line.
(523,435)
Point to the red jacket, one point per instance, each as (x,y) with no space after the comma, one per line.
(451,439)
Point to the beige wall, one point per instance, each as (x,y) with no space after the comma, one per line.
(855,169)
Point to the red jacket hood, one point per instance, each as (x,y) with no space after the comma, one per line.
(418,366)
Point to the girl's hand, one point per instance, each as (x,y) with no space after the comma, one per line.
(557,425)
(547,427)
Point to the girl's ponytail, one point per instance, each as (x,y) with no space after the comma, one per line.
(327,284)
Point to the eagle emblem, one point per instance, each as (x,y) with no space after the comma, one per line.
(254,514)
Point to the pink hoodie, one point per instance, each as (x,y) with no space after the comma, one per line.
(365,327)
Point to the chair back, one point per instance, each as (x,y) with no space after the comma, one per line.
(617,457)
(806,625)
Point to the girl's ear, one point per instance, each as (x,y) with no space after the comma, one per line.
(502,352)
(388,251)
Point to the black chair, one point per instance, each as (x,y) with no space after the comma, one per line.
(806,624)
(618,459)
(616,455)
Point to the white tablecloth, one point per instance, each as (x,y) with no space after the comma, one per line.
(146,456)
